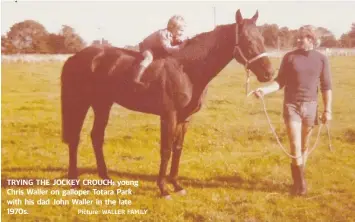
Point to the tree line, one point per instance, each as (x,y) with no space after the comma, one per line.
(30,36)
(284,38)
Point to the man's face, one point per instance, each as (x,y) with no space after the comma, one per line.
(304,41)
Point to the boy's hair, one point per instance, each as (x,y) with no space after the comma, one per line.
(176,21)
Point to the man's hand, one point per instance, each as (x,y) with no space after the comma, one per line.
(326,117)
(259,93)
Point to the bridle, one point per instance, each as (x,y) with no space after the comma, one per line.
(246,61)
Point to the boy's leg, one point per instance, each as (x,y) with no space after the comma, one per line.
(148,58)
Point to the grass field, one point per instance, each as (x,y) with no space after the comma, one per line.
(231,165)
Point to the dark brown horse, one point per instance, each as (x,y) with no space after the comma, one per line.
(98,77)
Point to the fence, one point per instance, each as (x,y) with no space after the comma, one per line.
(33,58)
(326,51)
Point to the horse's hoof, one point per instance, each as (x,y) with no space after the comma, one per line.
(167,197)
(182,192)
(72,176)
(104,177)
(76,186)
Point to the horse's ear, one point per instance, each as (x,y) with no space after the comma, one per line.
(238,17)
(255,17)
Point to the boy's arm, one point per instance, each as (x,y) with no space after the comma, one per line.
(166,43)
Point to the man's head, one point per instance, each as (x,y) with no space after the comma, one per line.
(176,26)
(307,38)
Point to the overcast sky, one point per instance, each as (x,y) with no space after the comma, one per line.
(124,23)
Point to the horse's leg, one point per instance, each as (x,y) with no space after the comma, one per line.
(74,125)
(167,129)
(177,150)
(102,113)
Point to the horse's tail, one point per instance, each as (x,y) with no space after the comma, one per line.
(74,99)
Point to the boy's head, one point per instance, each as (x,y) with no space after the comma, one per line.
(176,26)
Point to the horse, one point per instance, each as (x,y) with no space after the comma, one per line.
(98,77)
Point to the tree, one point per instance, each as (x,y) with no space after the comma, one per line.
(72,42)
(28,36)
(351,35)
(285,37)
(270,34)
(352,31)
(345,41)
(56,43)
(328,41)
(6,46)
(327,37)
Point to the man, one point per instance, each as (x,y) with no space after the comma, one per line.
(168,40)
(300,73)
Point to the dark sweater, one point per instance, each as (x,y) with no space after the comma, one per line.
(301,72)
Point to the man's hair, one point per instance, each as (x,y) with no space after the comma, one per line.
(311,32)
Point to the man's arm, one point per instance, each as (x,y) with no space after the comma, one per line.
(327,100)
(274,86)
(326,88)
(279,82)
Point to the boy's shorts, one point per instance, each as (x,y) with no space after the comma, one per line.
(303,112)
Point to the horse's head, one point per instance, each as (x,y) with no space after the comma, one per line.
(249,48)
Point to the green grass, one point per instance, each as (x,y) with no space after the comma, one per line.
(231,165)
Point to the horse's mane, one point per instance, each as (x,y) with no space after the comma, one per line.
(200,45)
(197,48)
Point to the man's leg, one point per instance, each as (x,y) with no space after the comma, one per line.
(294,135)
(309,115)
(309,119)
(306,135)
(294,129)
(293,123)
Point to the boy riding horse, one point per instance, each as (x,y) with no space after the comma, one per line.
(168,41)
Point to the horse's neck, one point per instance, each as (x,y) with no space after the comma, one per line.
(207,57)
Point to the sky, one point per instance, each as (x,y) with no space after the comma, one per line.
(127,23)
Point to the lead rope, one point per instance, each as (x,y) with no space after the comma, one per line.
(247,81)
(306,152)
(329,139)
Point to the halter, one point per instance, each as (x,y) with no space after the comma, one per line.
(246,61)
